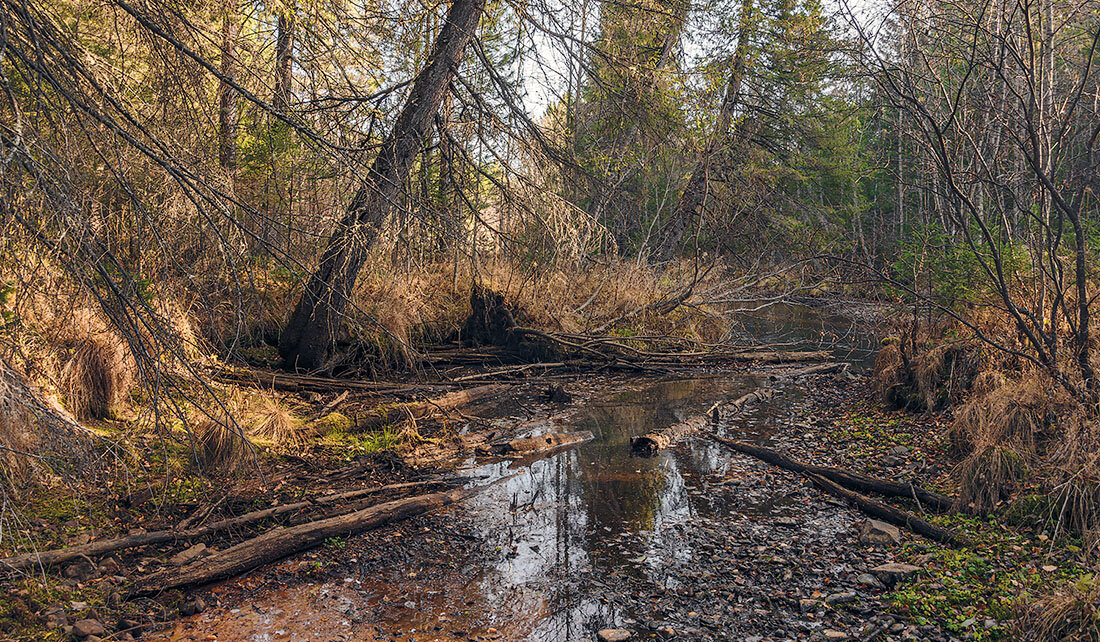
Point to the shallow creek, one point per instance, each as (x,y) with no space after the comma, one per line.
(565,532)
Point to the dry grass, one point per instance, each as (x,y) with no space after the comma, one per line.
(220,446)
(275,423)
(1069,614)
(403,309)
(97,378)
(18,442)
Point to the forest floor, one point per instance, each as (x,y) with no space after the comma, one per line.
(697,543)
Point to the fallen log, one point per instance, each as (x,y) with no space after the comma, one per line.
(540,443)
(102,547)
(281,542)
(287,382)
(853,481)
(376,418)
(649,444)
(821,368)
(887,513)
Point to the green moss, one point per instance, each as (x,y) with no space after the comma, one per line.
(334,423)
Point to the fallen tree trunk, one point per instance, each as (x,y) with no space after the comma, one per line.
(385,415)
(651,443)
(540,443)
(821,368)
(286,382)
(93,549)
(281,542)
(887,513)
(853,481)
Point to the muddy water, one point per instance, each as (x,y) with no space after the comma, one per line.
(562,533)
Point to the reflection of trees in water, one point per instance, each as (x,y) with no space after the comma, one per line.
(561,506)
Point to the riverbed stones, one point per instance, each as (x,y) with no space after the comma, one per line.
(55,616)
(873,531)
(613,635)
(89,627)
(894,572)
(837,599)
(868,580)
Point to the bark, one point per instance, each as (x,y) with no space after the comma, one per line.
(887,513)
(698,186)
(853,481)
(385,415)
(94,549)
(281,542)
(650,443)
(315,323)
(284,60)
(540,443)
(227,96)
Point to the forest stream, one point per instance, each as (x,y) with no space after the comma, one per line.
(695,543)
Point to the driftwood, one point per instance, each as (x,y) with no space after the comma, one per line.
(384,415)
(853,481)
(821,368)
(887,513)
(281,542)
(540,443)
(651,443)
(93,549)
(287,382)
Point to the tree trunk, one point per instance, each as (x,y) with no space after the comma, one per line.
(284,58)
(315,322)
(227,96)
(698,186)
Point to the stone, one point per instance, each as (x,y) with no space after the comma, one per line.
(873,531)
(192,607)
(866,579)
(894,572)
(189,555)
(85,628)
(613,635)
(110,566)
(55,616)
(836,599)
(81,570)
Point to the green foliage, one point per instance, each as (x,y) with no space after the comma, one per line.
(988,579)
(936,264)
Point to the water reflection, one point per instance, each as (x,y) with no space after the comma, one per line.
(568,527)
